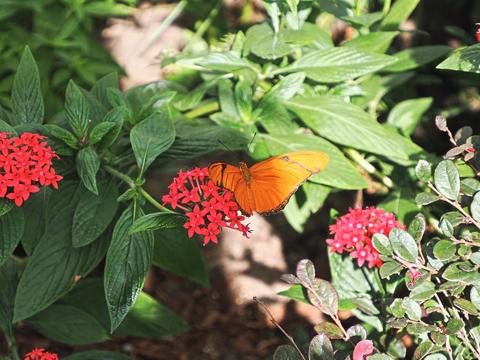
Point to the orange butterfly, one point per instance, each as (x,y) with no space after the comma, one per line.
(267,186)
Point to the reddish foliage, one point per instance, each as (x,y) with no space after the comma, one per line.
(353,233)
(208,207)
(363,350)
(25,164)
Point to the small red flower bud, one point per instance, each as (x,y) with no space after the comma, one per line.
(471,149)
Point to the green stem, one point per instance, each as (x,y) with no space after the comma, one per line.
(131,183)
(206,108)
(205,24)
(172,16)
(12,346)
(360,160)
(358,7)
(386,7)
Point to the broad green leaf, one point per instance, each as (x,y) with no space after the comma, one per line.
(152,136)
(364,20)
(77,109)
(390,268)
(288,86)
(99,131)
(426,198)
(469,186)
(349,125)
(320,348)
(194,140)
(406,115)
(265,43)
(286,352)
(454,326)
(423,290)
(296,292)
(157,221)
(310,34)
(329,329)
(54,264)
(382,244)
(8,286)
(374,42)
(149,318)
(447,179)
(76,327)
(305,272)
(11,231)
(399,12)
(337,8)
(88,163)
(415,57)
(99,89)
(27,100)
(34,210)
(127,263)
(461,271)
(340,173)
(466,306)
(475,207)
(475,297)
(463,59)
(62,134)
(94,213)
(403,245)
(412,309)
(274,116)
(423,170)
(115,116)
(417,227)
(338,64)
(323,296)
(243,99)
(401,203)
(97,355)
(444,250)
(224,61)
(177,253)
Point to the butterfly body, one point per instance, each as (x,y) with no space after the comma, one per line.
(267,186)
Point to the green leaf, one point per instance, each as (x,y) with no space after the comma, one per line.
(475,297)
(60,133)
(329,329)
(286,352)
(320,348)
(461,272)
(444,250)
(423,170)
(223,61)
(100,88)
(97,355)
(116,117)
(399,12)
(447,179)
(11,231)
(88,163)
(340,173)
(27,100)
(152,136)
(76,327)
(389,268)
(309,35)
(127,263)
(77,109)
(412,309)
(176,252)
(99,131)
(426,198)
(469,186)
(305,272)
(54,264)
(334,65)
(149,318)
(296,292)
(454,326)
(94,213)
(374,42)
(157,221)
(417,227)
(423,290)
(463,59)
(194,140)
(475,207)
(466,306)
(34,211)
(349,125)
(323,296)
(265,43)
(406,115)
(106,9)
(415,57)
(403,245)
(401,203)
(8,286)
(243,99)
(382,244)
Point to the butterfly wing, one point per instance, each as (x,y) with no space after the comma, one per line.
(225,175)
(276,179)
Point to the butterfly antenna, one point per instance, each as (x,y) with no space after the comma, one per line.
(225,146)
(251,141)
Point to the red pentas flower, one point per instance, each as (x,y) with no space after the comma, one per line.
(25,164)
(208,207)
(40,354)
(353,233)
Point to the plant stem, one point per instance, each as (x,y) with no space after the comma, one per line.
(207,107)
(205,24)
(274,322)
(358,7)
(455,204)
(131,183)
(386,7)
(12,346)
(360,160)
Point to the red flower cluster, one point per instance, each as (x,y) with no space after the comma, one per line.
(353,233)
(207,206)
(25,163)
(40,354)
